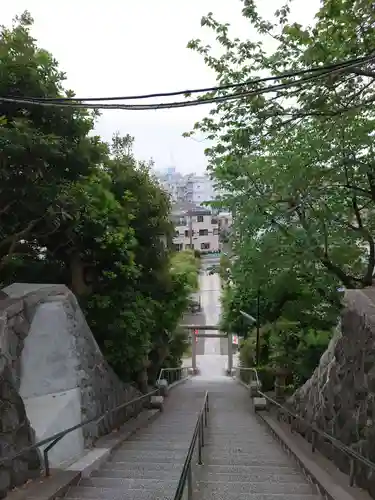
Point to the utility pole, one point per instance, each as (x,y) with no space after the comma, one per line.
(190,229)
(257,322)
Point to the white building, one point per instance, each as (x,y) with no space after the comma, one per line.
(190,188)
(199,189)
(195,228)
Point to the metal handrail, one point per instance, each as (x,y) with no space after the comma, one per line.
(187,473)
(353,455)
(55,438)
(166,370)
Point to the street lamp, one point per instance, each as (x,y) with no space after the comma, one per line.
(248,316)
(257,359)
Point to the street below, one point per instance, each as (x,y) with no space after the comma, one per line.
(212,353)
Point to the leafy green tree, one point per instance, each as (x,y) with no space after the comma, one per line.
(171,343)
(78,211)
(309,175)
(297,164)
(43,150)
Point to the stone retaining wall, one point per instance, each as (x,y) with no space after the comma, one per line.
(52,376)
(340,395)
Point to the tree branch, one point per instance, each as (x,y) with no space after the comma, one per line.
(362,72)
(21,234)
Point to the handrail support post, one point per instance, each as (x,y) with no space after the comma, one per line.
(313,441)
(202,429)
(47,469)
(190,483)
(352,472)
(199,447)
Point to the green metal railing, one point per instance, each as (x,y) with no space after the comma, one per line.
(355,458)
(186,478)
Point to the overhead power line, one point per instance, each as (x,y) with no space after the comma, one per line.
(74,103)
(288,74)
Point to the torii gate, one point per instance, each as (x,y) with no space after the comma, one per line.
(216,328)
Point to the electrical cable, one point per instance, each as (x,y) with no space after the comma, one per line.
(289,74)
(180,104)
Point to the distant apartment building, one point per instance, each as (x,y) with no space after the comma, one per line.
(195,228)
(173,183)
(199,189)
(191,188)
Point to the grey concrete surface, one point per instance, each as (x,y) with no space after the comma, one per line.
(211,362)
(149,464)
(241,458)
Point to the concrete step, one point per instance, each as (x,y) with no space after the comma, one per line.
(148,456)
(256,468)
(253,476)
(251,487)
(238,460)
(209,495)
(129,484)
(141,466)
(90,493)
(156,445)
(261,452)
(231,443)
(141,473)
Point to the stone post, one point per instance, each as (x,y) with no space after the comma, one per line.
(162,385)
(230,354)
(280,384)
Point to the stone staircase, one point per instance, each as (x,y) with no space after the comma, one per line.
(241,460)
(148,466)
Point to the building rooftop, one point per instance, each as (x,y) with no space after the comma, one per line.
(186,208)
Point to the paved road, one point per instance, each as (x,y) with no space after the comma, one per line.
(212,354)
(212,360)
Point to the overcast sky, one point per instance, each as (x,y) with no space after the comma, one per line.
(120,47)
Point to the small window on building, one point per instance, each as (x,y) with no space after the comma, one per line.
(203,232)
(214,220)
(216,230)
(200,218)
(205,246)
(186,233)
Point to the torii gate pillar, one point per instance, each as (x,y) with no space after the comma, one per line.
(194,352)
(230,353)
